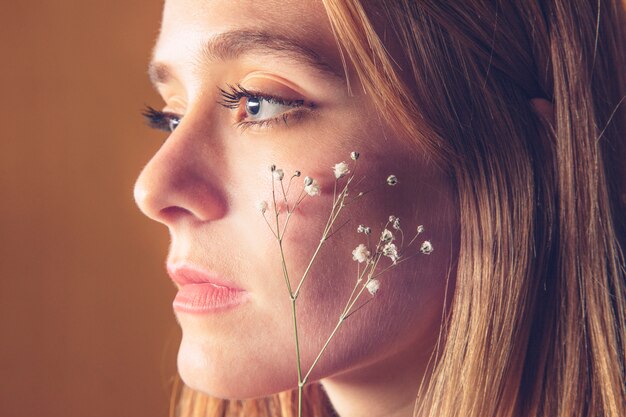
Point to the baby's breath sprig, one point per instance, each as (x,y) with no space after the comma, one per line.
(367,256)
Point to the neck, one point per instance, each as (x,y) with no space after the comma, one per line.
(387,388)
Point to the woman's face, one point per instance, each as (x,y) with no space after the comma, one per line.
(205,181)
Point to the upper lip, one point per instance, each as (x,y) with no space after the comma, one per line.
(184,274)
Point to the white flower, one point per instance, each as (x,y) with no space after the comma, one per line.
(364,229)
(386,236)
(390,250)
(392,180)
(426,248)
(396,224)
(340,169)
(361,254)
(278,174)
(420,229)
(354,155)
(373,286)
(308,181)
(261,206)
(313,188)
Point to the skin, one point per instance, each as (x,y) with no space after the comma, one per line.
(205,181)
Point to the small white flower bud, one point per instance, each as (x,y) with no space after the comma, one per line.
(262,206)
(278,174)
(340,169)
(396,224)
(390,250)
(420,229)
(308,181)
(313,188)
(297,174)
(386,236)
(373,286)
(354,155)
(364,229)
(392,219)
(360,253)
(392,180)
(427,248)
(272,167)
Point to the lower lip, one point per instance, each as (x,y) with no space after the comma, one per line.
(203,298)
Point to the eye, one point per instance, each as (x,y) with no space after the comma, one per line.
(261,109)
(258,108)
(165,121)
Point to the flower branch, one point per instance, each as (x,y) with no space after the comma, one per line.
(363,254)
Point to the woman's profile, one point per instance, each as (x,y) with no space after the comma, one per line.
(504,124)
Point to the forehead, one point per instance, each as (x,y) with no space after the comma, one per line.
(190,28)
(288,13)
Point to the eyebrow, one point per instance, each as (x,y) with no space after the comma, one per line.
(236,43)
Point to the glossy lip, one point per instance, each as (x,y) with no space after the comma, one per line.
(202,292)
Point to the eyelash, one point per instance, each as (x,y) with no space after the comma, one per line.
(160,120)
(231,99)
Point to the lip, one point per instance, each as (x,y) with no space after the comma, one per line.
(202,292)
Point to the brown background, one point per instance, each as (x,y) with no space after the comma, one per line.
(86,324)
(86,327)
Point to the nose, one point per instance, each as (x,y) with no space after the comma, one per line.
(181,181)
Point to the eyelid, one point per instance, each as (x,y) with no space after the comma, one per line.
(231,99)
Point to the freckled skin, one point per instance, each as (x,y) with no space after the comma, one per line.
(205,181)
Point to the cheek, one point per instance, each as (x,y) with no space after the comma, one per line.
(253,353)
(407,308)
(404,314)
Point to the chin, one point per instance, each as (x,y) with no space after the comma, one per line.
(220,376)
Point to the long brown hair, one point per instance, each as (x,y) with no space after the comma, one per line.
(537,326)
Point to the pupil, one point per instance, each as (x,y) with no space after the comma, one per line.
(253,105)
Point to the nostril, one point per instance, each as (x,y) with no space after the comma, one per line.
(167,200)
(169,214)
(178,182)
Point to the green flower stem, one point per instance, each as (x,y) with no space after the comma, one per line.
(319,246)
(286,223)
(344,315)
(356,285)
(329,224)
(319,355)
(413,240)
(270,226)
(282,186)
(280,244)
(360,307)
(295,331)
(285,273)
(394,265)
(337,229)
(346,312)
